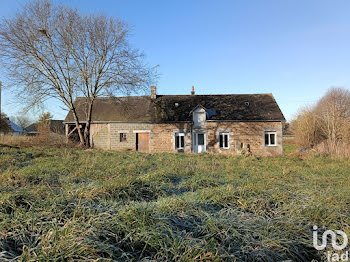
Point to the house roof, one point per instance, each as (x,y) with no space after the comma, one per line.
(32,128)
(176,108)
(134,108)
(14,127)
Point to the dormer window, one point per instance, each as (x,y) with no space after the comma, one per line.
(199,116)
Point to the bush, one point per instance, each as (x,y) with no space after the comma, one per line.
(329,149)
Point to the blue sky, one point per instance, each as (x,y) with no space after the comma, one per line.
(295,49)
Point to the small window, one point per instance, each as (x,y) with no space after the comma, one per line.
(122,137)
(248,147)
(179,140)
(224,140)
(270,138)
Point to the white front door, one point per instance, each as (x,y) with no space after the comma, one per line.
(198,142)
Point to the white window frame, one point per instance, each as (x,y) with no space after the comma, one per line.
(223,141)
(179,134)
(269,133)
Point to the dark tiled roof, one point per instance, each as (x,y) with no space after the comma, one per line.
(220,107)
(32,128)
(165,108)
(133,109)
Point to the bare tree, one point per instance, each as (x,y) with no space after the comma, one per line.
(56,52)
(22,121)
(333,114)
(327,122)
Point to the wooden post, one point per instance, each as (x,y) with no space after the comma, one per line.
(66,129)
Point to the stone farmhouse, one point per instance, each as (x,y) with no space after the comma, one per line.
(226,124)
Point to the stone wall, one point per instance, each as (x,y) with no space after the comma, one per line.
(242,134)
(162,136)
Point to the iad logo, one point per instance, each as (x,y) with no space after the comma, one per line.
(333,239)
(332,234)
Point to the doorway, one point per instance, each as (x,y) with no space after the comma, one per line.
(142,142)
(199,142)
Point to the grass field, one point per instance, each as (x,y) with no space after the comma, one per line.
(68,204)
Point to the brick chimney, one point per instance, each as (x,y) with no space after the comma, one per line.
(192,92)
(153,92)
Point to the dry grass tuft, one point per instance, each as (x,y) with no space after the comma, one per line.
(52,140)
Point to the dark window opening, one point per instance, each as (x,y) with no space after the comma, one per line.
(224,140)
(179,140)
(270,138)
(137,142)
(122,137)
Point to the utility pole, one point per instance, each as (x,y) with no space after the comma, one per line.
(0,102)
(0,97)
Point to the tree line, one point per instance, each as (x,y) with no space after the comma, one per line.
(325,125)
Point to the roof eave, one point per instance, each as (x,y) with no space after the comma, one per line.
(178,121)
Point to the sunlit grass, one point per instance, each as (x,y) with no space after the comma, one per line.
(66,204)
